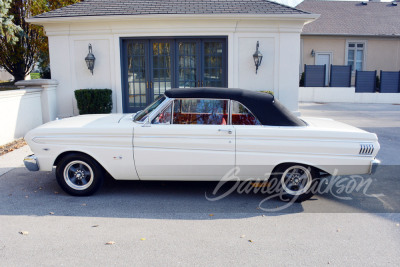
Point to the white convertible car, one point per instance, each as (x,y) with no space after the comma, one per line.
(201,134)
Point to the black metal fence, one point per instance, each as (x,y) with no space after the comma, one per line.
(390,82)
(365,81)
(341,76)
(314,75)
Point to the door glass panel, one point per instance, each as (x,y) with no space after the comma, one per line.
(136,74)
(161,71)
(350,58)
(187,64)
(213,69)
(242,116)
(200,111)
(359,59)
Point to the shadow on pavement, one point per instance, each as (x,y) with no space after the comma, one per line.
(38,194)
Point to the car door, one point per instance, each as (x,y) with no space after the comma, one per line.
(190,139)
(251,158)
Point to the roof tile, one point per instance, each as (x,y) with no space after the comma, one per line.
(352,18)
(147,7)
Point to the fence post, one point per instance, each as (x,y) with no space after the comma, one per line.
(305,75)
(48,96)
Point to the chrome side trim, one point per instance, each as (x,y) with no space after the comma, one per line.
(374,165)
(31,163)
(284,138)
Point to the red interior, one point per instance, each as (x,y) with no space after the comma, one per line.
(244,119)
(200,118)
(206,118)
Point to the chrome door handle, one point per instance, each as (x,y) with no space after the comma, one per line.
(229,131)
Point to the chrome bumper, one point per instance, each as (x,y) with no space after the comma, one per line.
(374,165)
(31,163)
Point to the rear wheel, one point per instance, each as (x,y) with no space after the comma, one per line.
(295,181)
(79,174)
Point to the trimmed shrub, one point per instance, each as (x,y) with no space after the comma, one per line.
(94,101)
(301,82)
(378,84)
(268,92)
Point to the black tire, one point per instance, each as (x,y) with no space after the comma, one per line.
(79,175)
(295,182)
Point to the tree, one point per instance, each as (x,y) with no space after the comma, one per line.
(8,29)
(23,44)
(39,7)
(19,55)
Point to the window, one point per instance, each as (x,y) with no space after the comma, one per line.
(200,111)
(142,115)
(242,116)
(355,55)
(164,117)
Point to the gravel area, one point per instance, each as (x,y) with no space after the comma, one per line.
(4,149)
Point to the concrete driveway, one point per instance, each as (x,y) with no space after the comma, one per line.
(172,223)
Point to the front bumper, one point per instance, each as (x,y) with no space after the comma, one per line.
(374,165)
(31,163)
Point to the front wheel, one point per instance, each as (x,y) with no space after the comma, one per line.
(79,175)
(296,182)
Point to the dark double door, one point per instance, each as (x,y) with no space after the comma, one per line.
(151,66)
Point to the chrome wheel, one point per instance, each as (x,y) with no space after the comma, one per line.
(78,175)
(296,180)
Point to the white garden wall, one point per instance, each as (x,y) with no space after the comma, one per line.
(20,110)
(345,95)
(24,109)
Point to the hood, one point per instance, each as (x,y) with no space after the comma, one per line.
(84,124)
(85,121)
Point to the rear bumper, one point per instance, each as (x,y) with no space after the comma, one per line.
(374,165)
(31,163)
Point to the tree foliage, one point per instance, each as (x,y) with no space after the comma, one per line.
(8,29)
(23,44)
(39,7)
(19,54)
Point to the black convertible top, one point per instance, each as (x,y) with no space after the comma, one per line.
(264,106)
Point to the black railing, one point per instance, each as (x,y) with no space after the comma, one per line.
(341,76)
(390,82)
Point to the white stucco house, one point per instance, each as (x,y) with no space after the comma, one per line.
(144,47)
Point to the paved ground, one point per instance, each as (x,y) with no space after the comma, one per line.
(180,227)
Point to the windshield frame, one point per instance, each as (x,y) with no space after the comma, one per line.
(143,115)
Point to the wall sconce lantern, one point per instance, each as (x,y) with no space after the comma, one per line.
(312,53)
(90,59)
(257,56)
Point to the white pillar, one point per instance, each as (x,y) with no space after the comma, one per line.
(48,96)
(289,54)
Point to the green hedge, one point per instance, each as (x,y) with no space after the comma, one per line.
(94,101)
(268,92)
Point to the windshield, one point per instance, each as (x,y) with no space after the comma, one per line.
(142,115)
